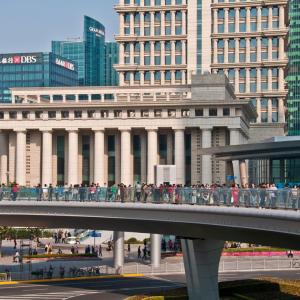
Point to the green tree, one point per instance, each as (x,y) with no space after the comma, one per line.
(4,233)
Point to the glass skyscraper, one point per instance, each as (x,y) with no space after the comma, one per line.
(111,58)
(89,53)
(34,70)
(293,74)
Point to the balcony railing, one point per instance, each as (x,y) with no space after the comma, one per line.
(231,197)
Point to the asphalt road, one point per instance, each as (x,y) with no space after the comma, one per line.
(116,289)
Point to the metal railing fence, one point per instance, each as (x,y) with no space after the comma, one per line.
(265,198)
(235,265)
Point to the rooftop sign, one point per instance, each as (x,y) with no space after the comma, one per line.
(65,64)
(18,59)
(98,31)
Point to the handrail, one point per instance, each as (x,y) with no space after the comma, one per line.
(225,196)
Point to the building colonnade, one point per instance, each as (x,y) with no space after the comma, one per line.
(15,165)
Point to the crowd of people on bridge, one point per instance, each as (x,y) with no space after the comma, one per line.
(263,195)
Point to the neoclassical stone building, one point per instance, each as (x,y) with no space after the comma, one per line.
(119,134)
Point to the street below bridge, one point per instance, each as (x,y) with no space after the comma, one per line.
(118,288)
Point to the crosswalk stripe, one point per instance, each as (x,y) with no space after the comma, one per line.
(48,296)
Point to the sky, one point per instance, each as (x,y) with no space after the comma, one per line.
(31,25)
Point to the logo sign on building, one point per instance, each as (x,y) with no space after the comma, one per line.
(98,31)
(18,59)
(65,64)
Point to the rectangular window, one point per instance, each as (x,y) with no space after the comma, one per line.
(213,112)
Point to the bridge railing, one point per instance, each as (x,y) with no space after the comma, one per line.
(263,198)
(234,265)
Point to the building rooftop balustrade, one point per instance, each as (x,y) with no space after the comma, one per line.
(100,94)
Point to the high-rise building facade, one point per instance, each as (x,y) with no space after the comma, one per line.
(248,39)
(293,72)
(111,59)
(34,70)
(166,41)
(89,53)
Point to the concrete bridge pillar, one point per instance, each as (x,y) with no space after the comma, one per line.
(155,250)
(118,250)
(201,261)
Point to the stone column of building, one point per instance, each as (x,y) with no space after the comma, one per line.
(152,154)
(143,138)
(142,23)
(248,18)
(125,156)
(270,76)
(121,20)
(258,110)
(170,148)
(270,110)
(118,157)
(180,155)
(248,47)
(184,53)
(258,54)
(281,112)
(215,46)
(270,19)
(281,79)
(206,159)
(281,53)
(215,14)
(243,172)
(73,156)
(270,47)
(47,157)
(258,79)
(237,20)
(172,52)
(281,17)
(162,22)
(3,157)
(99,153)
(225,20)
(258,18)
(173,14)
(21,157)
(237,80)
(235,140)
(226,51)
(237,50)
(183,22)
(152,23)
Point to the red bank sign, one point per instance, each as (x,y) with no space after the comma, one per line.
(18,59)
(65,64)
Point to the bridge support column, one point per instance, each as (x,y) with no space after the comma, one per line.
(201,260)
(118,249)
(155,250)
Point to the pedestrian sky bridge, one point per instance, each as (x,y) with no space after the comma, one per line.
(203,228)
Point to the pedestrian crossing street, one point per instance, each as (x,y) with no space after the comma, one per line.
(49,296)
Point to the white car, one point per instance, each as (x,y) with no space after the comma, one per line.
(72,240)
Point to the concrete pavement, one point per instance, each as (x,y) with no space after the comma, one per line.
(116,288)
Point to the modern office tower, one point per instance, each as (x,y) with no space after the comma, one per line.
(166,41)
(111,59)
(88,53)
(34,70)
(293,72)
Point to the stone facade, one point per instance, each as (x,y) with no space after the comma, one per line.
(164,124)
